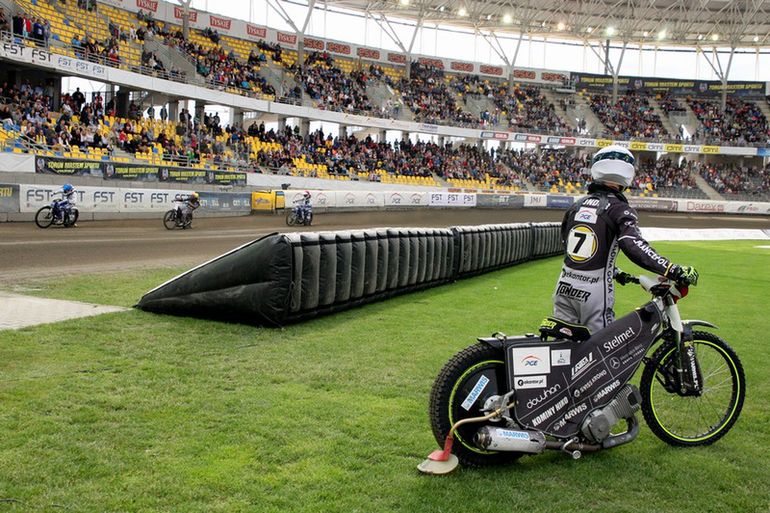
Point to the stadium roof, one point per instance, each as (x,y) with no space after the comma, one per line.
(694,23)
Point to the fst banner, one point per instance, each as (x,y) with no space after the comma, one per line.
(99,199)
(452,199)
(137,172)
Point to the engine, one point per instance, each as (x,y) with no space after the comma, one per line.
(596,427)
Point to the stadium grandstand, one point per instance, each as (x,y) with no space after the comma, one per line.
(154,83)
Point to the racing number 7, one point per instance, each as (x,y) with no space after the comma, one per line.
(582,238)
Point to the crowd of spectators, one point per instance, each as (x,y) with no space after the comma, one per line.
(430,99)
(220,67)
(527,110)
(670,104)
(665,173)
(631,117)
(749,182)
(548,168)
(741,123)
(353,157)
(27,109)
(330,87)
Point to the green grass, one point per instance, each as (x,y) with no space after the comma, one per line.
(141,412)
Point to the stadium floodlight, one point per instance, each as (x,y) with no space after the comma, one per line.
(403,2)
(441,9)
(700,37)
(756,39)
(662,34)
(489,17)
(560,26)
(646,34)
(589,29)
(610,31)
(715,37)
(507,18)
(463,11)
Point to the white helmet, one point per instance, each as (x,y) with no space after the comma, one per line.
(613,164)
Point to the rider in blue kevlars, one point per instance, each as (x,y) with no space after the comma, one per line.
(68,195)
(593,229)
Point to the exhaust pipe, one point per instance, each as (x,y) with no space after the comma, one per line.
(500,439)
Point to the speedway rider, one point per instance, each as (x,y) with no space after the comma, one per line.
(591,232)
(68,195)
(305,207)
(189,202)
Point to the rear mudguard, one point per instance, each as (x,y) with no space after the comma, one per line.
(501,340)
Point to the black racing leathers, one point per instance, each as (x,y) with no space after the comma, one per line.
(591,232)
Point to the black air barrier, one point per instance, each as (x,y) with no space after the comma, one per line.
(284,278)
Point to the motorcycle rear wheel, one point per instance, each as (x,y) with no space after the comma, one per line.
(72,218)
(449,398)
(44,217)
(291,219)
(689,421)
(169,220)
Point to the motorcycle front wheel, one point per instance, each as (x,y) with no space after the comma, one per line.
(44,217)
(456,396)
(692,420)
(291,219)
(169,220)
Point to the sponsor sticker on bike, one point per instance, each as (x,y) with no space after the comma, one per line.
(479,387)
(560,357)
(531,360)
(530,382)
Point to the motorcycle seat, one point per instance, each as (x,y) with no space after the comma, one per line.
(558,328)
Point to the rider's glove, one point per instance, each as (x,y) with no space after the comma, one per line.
(683,274)
(623,277)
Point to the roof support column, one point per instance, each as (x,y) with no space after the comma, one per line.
(185,18)
(513,63)
(721,73)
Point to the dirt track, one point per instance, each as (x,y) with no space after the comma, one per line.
(98,246)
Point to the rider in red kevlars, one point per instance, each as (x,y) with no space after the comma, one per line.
(593,229)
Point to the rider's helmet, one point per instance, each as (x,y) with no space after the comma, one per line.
(613,164)
(195,195)
(67,188)
(306,195)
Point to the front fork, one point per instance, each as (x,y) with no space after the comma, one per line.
(688,379)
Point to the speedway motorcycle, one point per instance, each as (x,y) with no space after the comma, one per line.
(174,218)
(299,215)
(566,389)
(56,214)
